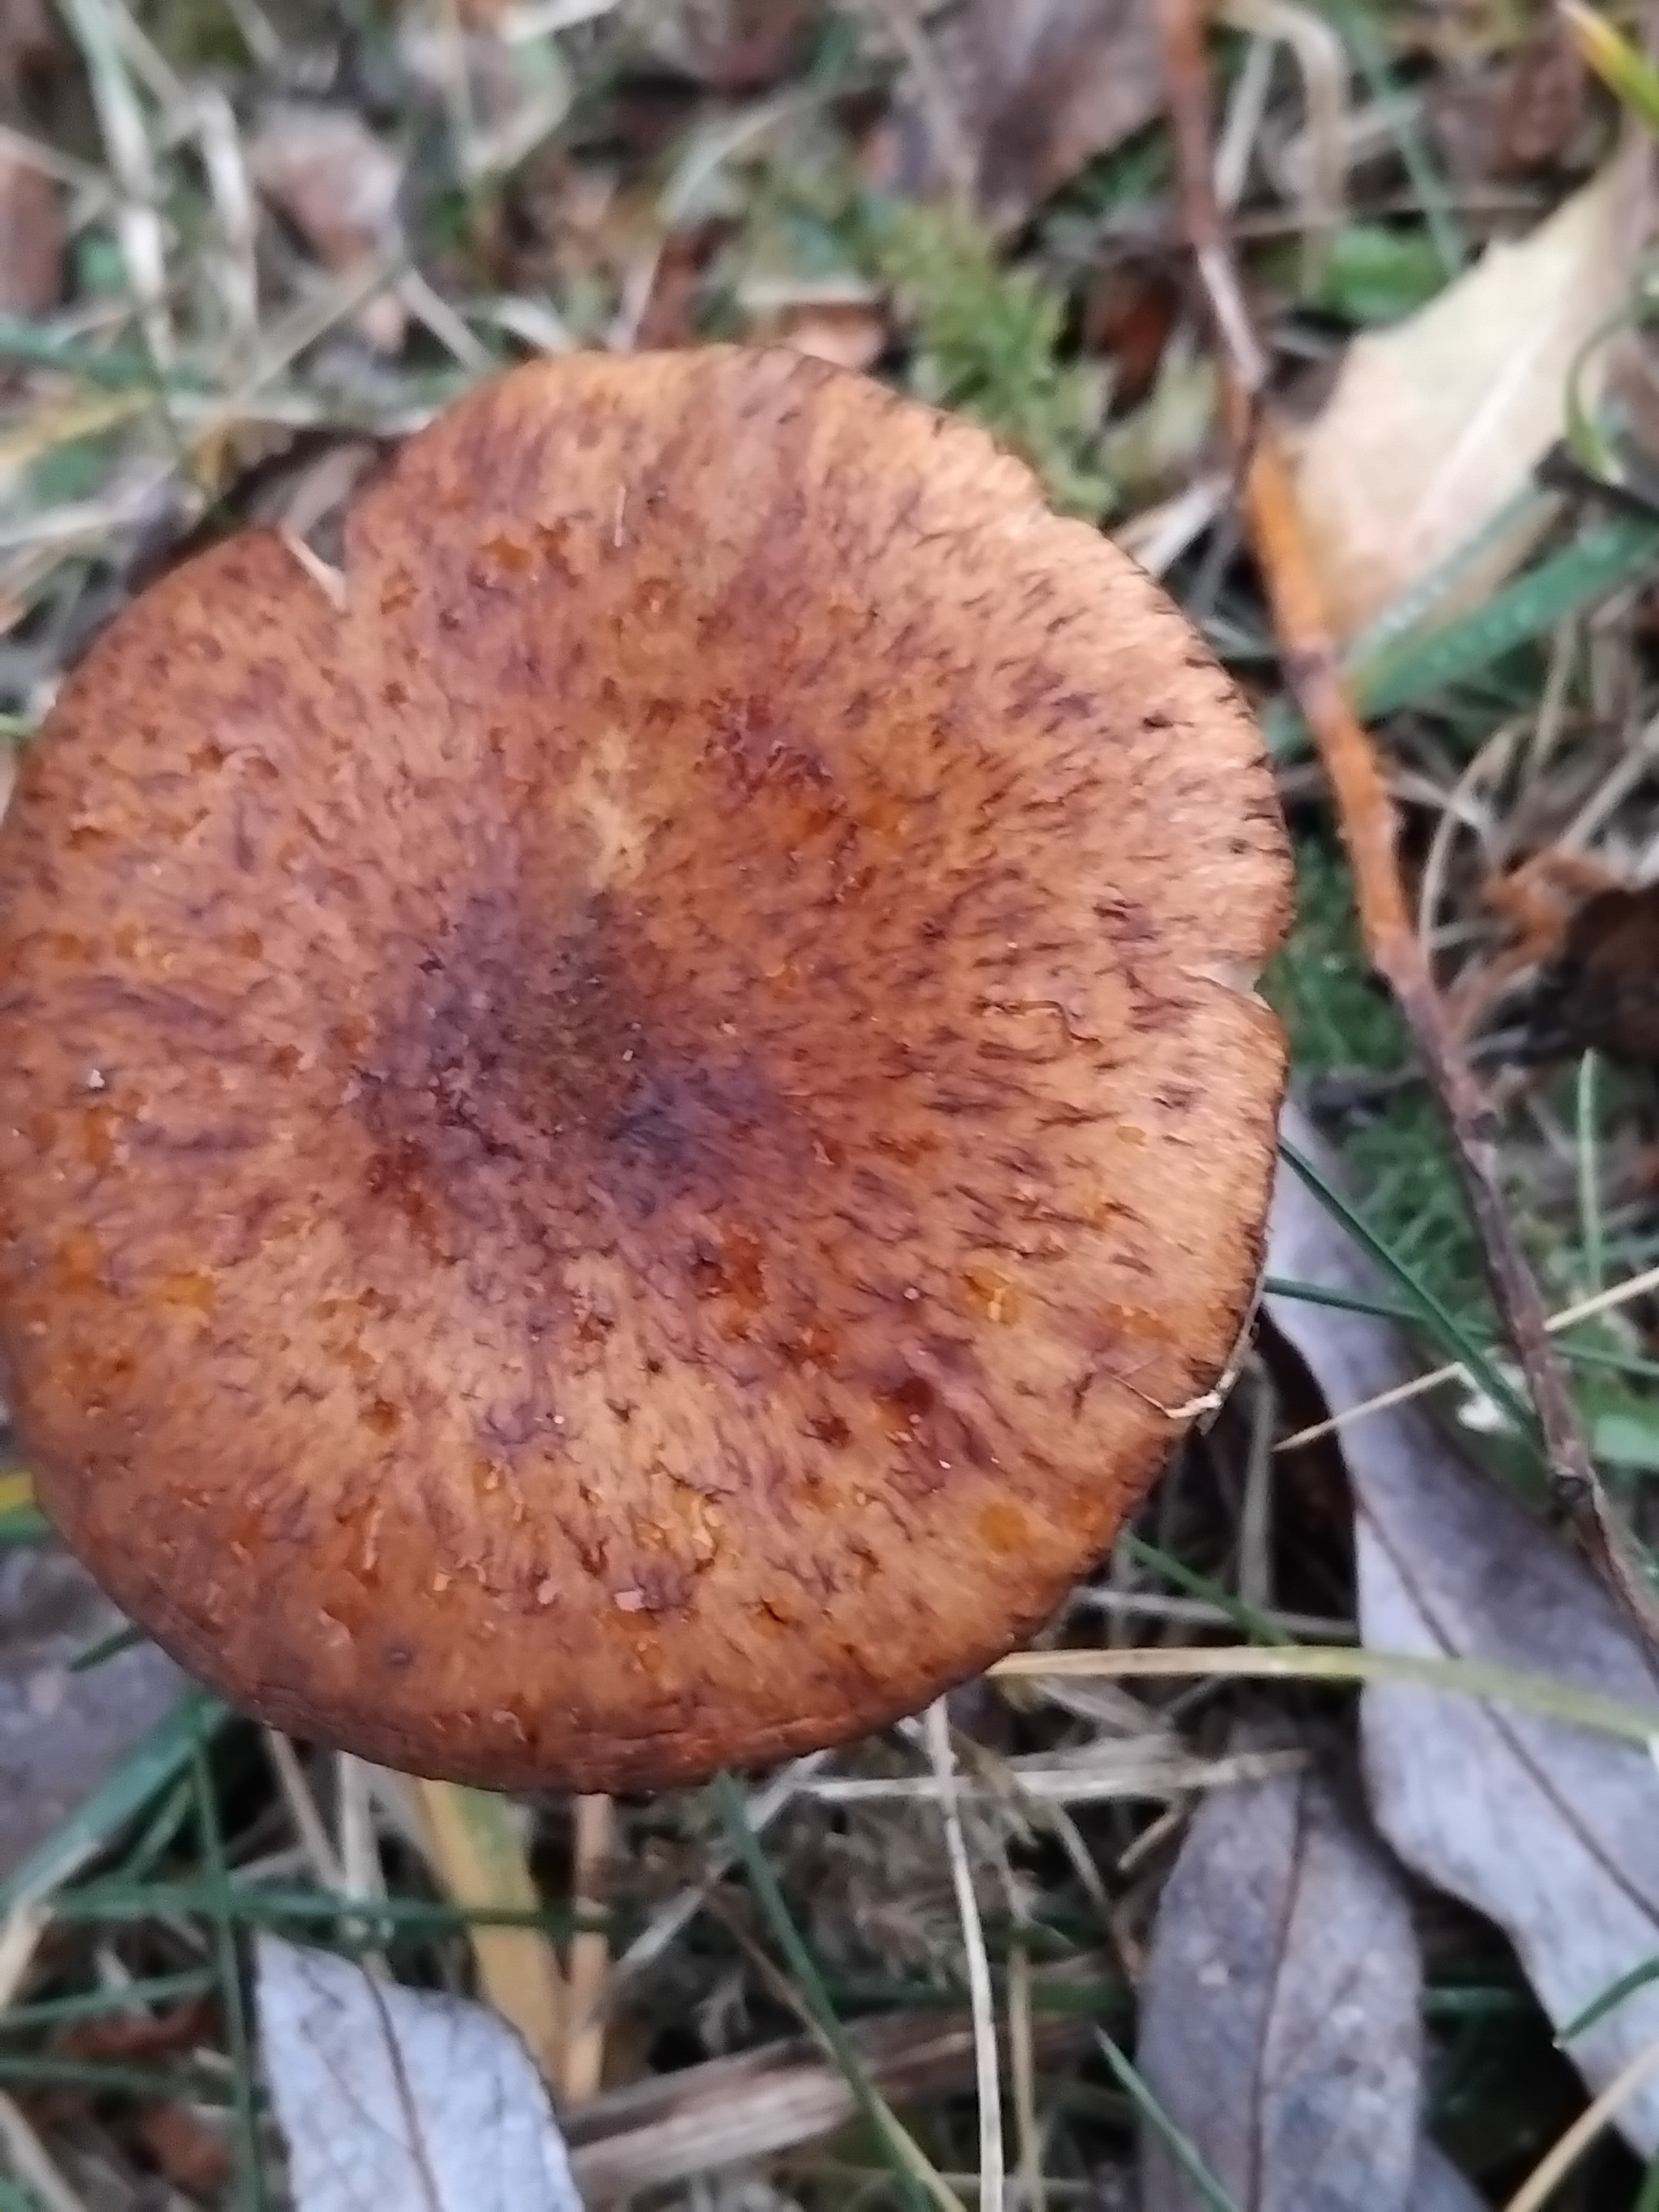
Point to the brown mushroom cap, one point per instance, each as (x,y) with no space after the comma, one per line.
(622,1157)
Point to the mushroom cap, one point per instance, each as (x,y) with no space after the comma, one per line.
(624,1157)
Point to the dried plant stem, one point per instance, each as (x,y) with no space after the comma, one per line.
(987,2071)
(1542,2183)
(1366,815)
(1620,1294)
(590,1951)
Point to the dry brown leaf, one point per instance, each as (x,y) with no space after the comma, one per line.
(1035,89)
(1551,1832)
(32,51)
(190,2153)
(337,184)
(1280,2021)
(1435,424)
(31,239)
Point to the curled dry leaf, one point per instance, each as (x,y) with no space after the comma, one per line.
(394,2097)
(1551,1832)
(1436,423)
(1031,91)
(1281,2011)
(337,184)
(61,1731)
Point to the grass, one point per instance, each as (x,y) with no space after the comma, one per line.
(140,417)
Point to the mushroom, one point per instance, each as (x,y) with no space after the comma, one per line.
(624,1142)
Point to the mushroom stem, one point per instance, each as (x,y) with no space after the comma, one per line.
(590,1951)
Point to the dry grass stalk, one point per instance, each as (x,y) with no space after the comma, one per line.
(1366,815)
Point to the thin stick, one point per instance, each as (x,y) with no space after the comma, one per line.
(1365,812)
(1539,2184)
(590,1950)
(1543,1694)
(988,2073)
(1636,1286)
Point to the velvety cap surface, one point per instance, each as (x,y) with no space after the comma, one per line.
(622,1158)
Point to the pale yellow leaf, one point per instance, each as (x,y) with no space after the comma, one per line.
(1435,424)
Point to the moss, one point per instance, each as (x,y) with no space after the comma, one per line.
(1340,1021)
(986,343)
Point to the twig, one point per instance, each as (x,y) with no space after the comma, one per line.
(1366,815)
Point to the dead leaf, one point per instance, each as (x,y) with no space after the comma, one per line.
(1435,424)
(1512,117)
(1130,314)
(32,53)
(1542,103)
(1280,2011)
(734,47)
(31,238)
(143,2035)
(1602,991)
(61,1732)
(1035,89)
(337,184)
(191,2153)
(1551,1832)
(390,2097)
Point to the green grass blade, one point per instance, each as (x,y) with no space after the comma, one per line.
(156,1760)
(1180,2147)
(249,2178)
(770,1898)
(1454,1339)
(1246,1618)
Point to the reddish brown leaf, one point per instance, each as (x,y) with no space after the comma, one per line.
(31,239)
(1542,104)
(1603,990)
(670,314)
(161,2035)
(1129,313)
(186,2148)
